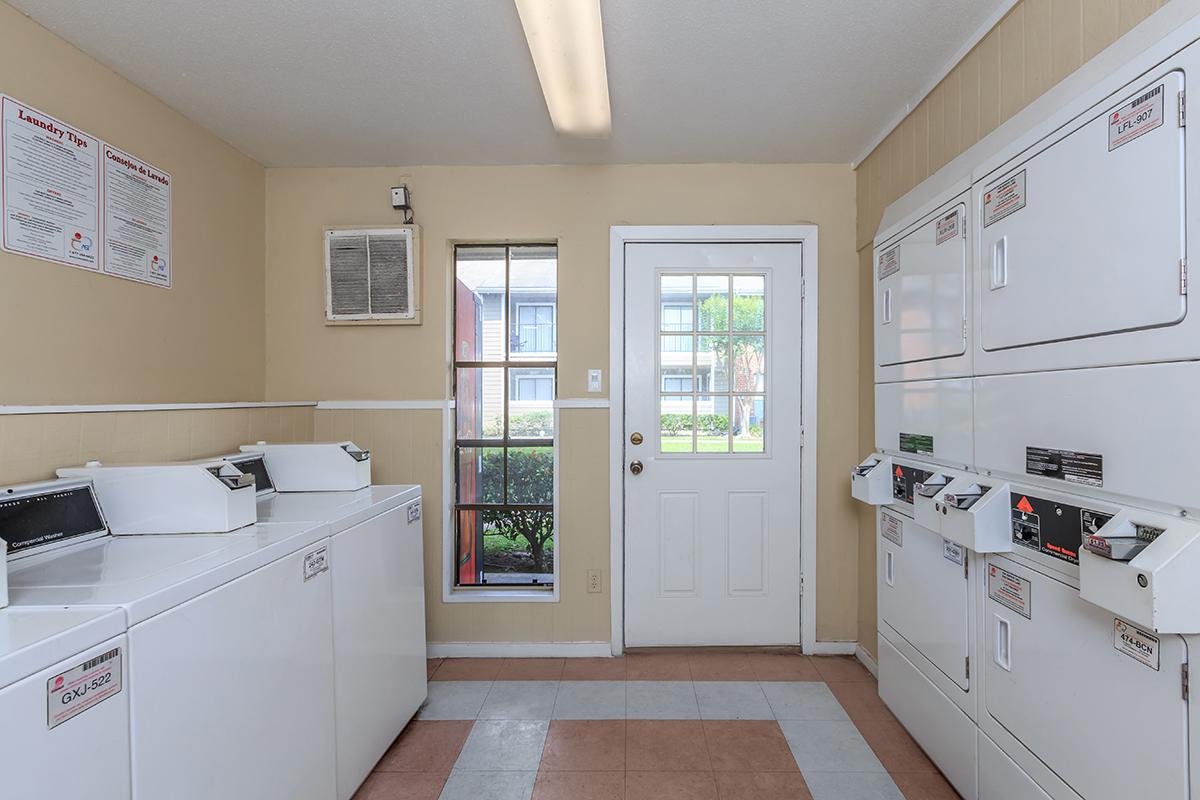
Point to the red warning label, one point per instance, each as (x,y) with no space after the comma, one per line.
(1025,505)
(899,472)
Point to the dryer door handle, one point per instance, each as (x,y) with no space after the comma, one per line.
(1003,652)
(1000,263)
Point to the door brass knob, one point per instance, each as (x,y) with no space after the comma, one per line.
(635,437)
(636,467)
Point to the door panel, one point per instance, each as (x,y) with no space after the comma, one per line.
(921,280)
(1085,237)
(712,418)
(924,596)
(1056,683)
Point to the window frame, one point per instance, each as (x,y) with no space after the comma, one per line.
(512,361)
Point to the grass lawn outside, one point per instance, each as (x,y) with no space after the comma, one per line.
(709,444)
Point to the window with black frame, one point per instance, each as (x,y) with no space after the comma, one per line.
(505,363)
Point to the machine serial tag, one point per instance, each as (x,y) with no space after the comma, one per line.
(82,687)
(946,228)
(1135,643)
(316,562)
(1136,118)
(952,551)
(414,511)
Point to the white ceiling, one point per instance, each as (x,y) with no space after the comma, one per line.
(412,82)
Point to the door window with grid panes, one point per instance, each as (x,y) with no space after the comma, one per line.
(712,363)
(505,368)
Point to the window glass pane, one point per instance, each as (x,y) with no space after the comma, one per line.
(676,379)
(480,475)
(750,424)
(531,403)
(479,403)
(749,292)
(676,421)
(479,304)
(530,475)
(533,291)
(749,364)
(518,546)
(712,302)
(675,296)
(712,424)
(712,364)
(678,344)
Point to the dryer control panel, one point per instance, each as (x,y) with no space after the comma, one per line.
(905,480)
(1052,528)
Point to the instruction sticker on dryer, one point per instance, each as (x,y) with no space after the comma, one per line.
(946,228)
(1071,466)
(1135,643)
(952,551)
(892,529)
(889,262)
(1004,198)
(918,443)
(414,511)
(1010,590)
(1136,118)
(316,562)
(82,687)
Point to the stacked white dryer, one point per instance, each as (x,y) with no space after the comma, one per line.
(1080,487)
(928,602)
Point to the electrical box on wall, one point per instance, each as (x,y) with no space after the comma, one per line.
(372,276)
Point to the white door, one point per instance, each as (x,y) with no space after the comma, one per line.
(712,443)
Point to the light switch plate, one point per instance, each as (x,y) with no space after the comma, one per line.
(595,381)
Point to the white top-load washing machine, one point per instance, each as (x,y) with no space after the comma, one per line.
(315,466)
(64,672)
(64,704)
(229,654)
(376,552)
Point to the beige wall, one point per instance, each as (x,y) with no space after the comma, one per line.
(1032,48)
(575,206)
(77,337)
(32,446)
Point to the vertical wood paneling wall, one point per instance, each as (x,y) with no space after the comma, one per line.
(1036,45)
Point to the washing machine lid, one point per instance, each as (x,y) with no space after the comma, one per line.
(146,575)
(33,638)
(340,510)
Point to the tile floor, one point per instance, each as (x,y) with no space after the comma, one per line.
(655,726)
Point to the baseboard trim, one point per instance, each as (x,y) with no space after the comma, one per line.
(519,649)
(834,648)
(865,658)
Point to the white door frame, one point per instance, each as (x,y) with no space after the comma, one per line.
(621,235)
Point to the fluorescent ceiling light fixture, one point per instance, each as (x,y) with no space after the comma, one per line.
(566,41)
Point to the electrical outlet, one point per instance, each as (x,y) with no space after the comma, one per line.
(595,583)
